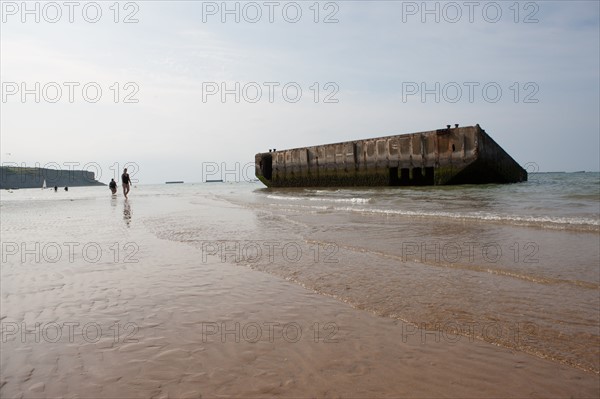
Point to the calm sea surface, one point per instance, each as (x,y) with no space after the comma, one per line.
(515,265)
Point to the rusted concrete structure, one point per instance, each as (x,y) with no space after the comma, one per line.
(459,155)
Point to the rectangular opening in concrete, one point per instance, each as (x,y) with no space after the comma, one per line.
(266,166)
(417,177)
(429,176)
(422,177)
(394,180)
(404,177)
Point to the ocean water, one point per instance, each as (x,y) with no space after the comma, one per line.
(517,266)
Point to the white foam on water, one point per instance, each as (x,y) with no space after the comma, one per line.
(542,221)
(357,200)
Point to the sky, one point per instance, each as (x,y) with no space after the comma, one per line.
(192,90)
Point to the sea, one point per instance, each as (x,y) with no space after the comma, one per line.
(516,265)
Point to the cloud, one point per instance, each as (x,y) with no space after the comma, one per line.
(367,59)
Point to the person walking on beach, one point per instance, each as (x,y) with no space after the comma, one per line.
(113,186)
(126,182)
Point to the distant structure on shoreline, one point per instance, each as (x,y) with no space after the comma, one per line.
(13,177)
(458,155)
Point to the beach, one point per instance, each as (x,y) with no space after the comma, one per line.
(234,290)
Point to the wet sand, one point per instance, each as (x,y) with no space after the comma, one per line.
(193,326)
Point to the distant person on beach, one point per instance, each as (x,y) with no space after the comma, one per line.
(126,182)
(66,188)
(113,186)
(55,188)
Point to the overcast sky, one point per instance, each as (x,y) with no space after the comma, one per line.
(528,73)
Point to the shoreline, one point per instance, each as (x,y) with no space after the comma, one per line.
(196,322)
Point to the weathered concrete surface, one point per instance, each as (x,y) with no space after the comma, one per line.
(460,155)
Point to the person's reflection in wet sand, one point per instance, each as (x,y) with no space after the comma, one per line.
(113,202)
(127,212)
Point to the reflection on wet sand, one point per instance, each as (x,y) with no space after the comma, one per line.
(127,212)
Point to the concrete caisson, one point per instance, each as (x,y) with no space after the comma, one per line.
(459,155)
